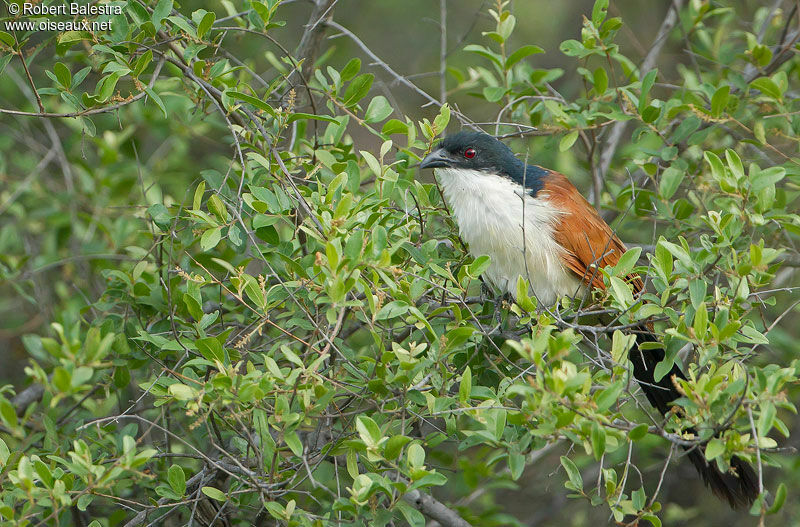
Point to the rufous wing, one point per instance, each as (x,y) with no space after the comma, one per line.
(589,243)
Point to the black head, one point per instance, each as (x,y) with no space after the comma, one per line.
(482,152)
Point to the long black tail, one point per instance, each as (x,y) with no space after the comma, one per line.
(739,487)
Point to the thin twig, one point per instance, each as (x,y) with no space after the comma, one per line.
(443,50)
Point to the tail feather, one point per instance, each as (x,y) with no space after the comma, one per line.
(739,487)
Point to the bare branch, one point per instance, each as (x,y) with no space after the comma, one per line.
(443,50)
(399,78)
(435,510)
(27,397)
(312,36)
(649,62)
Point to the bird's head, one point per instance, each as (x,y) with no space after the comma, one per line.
(473,151)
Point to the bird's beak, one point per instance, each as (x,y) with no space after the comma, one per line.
(436,159)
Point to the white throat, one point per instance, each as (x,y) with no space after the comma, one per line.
(489,210)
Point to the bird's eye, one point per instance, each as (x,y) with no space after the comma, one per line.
(469,153)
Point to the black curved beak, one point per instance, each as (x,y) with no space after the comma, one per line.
(436,159)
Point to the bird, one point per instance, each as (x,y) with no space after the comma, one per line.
(534,223)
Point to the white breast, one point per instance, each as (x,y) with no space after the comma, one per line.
(489,210)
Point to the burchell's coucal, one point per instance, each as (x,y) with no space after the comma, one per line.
(559,250)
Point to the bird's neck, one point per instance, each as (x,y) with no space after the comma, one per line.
(529,176)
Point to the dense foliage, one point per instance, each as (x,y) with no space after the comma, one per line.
(290,331)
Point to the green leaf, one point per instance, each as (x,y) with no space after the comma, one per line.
(484,52)
(351,69)
(621,292)
(4,60)
(720,100)
(677,251)
(217,208)
(297,116)
(638,432)
(714,449)
(458,336)
(378,110)
(440,121)
(105,88)
(599,12)
(651,113)
(465,388)
(734,164)
(258,103)
(394,446)
(608,396)
(627,262)
(393,309)
(182,392)
(647,84)
(211,238)
(84,501)
(368,429)
(573,473)
(156,99)
(352,463)
(573,48)
(5,453)
(162,11)
(620,344)
(293,442)
(767,87)
(214,493)
(521,53)
(671,179)
(141,63)
(394,126)
(357,89)
(415,455)
(43,471)
(700,325)
(697,292)
(476,268)
(210,348)
(7,39)
(411,515)
(7,412)
(198,195)
(205,24)
(494,93)
(506,26)
(516,464)
(761,179)
(600,81)
(654,520)
(598,440)
(63,75)
(780,498)
(262,11)
(758,129)
(567,141)
(766,419)
(665,366)
(177,479)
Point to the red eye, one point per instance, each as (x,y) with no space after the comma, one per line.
(469,153)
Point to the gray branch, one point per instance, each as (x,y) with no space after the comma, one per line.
(312,36)
(649,62)
(435,510)
(27,397)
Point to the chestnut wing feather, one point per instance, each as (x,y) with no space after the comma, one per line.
(588,241)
